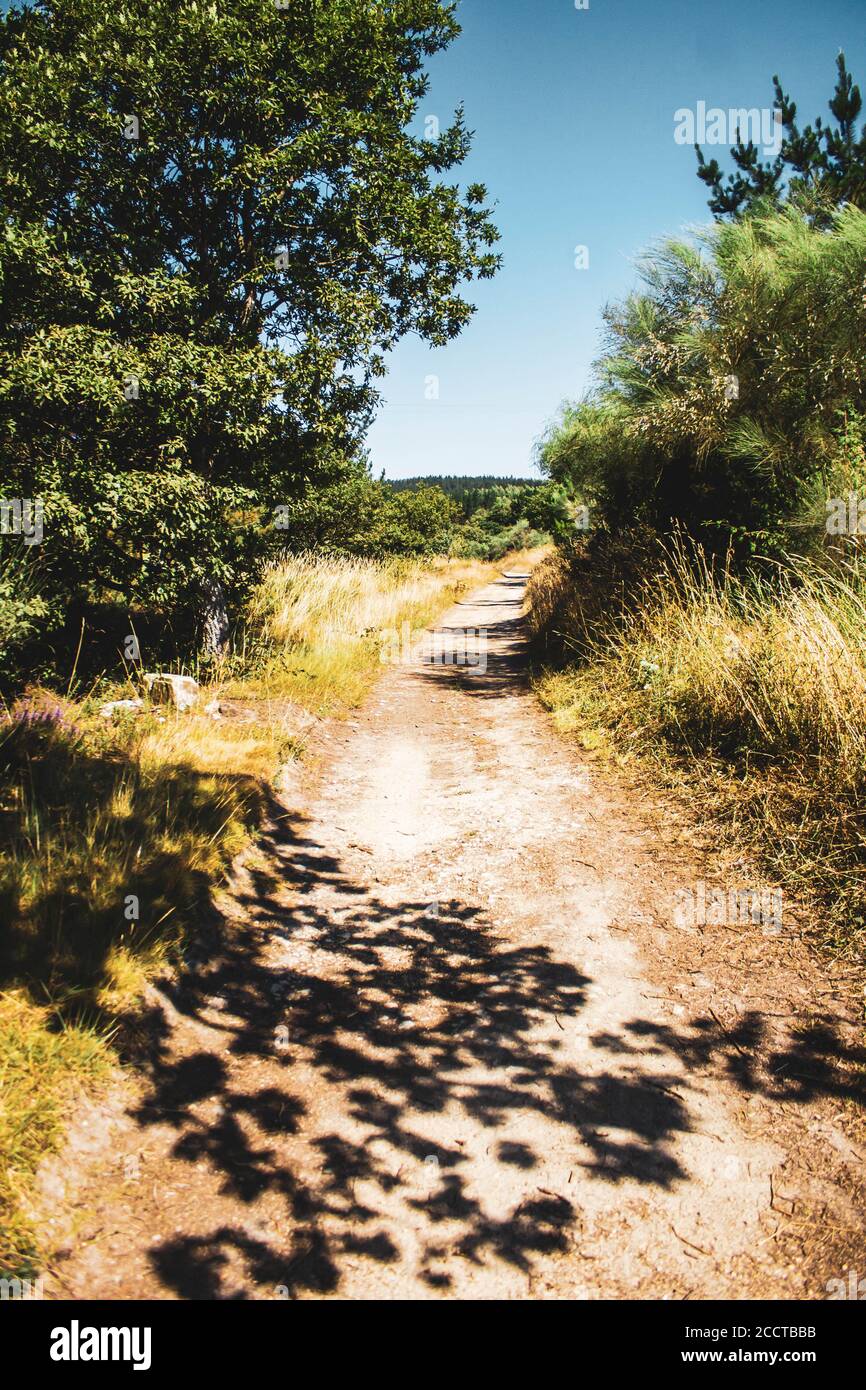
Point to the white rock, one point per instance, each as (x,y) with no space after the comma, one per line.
(165,688)
(118,706)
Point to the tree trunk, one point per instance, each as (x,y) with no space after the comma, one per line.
(215,618)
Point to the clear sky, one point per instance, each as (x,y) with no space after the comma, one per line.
(573,113)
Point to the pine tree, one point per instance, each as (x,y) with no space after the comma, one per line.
(817,169)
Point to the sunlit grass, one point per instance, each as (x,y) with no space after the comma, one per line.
(316,626)
(752,691)
(41,1061)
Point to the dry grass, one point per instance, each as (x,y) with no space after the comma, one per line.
(750,693)
(302,602)
(315,628)
(112,839)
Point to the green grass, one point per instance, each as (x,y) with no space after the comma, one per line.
(42,1060)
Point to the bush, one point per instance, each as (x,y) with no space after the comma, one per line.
(361,516)
(732,394)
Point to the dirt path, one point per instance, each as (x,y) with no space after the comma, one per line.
(449,1041)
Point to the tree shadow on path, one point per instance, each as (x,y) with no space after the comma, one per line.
(402,1011)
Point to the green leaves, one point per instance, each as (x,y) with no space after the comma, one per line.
(724,396)
(215,224)
(358,515)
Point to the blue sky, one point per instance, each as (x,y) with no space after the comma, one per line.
(573,113)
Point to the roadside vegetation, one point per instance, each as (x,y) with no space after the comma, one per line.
(317,627)
(116,828)
(714,618)
(747,692)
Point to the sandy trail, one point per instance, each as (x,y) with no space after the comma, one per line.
(447,1040)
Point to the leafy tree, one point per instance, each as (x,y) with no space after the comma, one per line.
(732,393)
(215,223)
(357,515)
(501,515)
(549,509)
(22,610)
(817,168)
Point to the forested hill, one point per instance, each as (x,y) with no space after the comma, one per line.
(455,484)
(470,493)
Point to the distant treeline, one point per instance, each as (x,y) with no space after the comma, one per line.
(470,493)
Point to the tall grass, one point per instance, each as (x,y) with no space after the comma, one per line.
(315,627)
(302,601)
(754,688)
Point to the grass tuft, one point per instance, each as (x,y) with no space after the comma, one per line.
(42,1059)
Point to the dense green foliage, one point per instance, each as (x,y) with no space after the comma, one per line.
(816,169)
(510,516)
(494,515)
(216,222)
(732,396)
(358,515)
